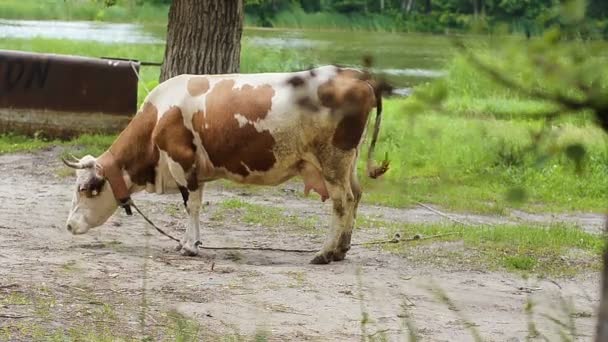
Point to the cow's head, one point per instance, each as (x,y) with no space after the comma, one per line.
(93,201)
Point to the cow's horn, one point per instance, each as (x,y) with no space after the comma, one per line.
(73,165)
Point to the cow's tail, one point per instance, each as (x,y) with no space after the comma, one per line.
(373,170)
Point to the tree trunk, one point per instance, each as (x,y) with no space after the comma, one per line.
(475,8)
(203,37)
(408,7)
(381,5)
(427,6)
(602,319)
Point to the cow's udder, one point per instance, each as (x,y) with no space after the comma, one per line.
(313,181)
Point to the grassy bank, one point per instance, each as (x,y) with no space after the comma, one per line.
(475,152)
(124,11)
(468,160)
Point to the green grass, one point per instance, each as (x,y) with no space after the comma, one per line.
(472,163)
(83,145)
(477,146)
(124,11)
(557,250)
(265,216)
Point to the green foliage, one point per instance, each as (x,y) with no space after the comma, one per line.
(530,17)
(472,162)
(556,250)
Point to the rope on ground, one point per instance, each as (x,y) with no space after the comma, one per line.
(272,249)
(396,238)
(444,215)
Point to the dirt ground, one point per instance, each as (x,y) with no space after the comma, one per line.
(53,284)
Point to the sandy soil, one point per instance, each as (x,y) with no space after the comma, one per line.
(55,283)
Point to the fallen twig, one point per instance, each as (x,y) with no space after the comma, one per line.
(7,286)
(12,316)
(444,215)
(397,239)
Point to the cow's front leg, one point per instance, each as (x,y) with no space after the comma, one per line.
(337,242)
(191,239)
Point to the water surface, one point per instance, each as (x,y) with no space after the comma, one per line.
(405,59)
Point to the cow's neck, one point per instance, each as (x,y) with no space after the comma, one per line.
(116,176)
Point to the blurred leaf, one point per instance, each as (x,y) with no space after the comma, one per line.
(433,93)
(517,195)
(552,35)
(575,152)
(573,10)
(542,160)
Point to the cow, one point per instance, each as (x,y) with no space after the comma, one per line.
(259,129)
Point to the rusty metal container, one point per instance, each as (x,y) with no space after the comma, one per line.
(62,96)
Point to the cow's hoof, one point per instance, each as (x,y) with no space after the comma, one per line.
(189,250)
(338,256)
(322,258)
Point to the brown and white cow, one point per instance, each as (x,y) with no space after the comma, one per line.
(249,128)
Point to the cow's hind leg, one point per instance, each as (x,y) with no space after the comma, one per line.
(191,239)
(344,238)
(338,182)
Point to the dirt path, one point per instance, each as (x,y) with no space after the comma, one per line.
(55,283)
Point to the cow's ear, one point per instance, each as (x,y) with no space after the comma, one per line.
(327,95)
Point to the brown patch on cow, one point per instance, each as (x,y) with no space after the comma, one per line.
(238,149)
(352,99)
(134,150)
(197,85)
(171,136)
(338,208)
(308,104)
(353,73)
(296,81)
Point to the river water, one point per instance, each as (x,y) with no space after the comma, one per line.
(406,59)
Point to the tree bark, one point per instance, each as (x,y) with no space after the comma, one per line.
(203,37)
(475,8)
(602,319)
(408,7)
(427,6)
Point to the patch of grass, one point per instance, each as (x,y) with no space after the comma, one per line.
(465,163)
(265,216)
(16,298)
(174,210)
(299,279)
(10,143)
(182,328)
(557,250)
(520,262)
